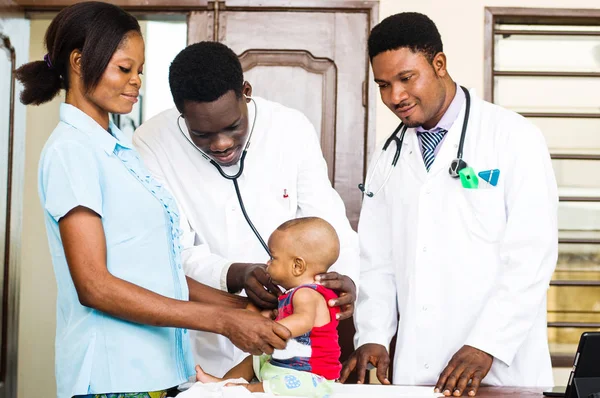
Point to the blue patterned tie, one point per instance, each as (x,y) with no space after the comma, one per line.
(430,141)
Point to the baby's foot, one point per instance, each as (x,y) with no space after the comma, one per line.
(205,377)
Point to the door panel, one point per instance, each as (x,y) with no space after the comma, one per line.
(313,82)
(307,97)
(309,31)
(200,26)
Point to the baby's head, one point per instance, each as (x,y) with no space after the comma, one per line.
(300,249)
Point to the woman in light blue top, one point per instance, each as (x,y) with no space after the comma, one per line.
(124,304)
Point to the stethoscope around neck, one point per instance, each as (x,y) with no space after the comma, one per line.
(233,177)
(455,166)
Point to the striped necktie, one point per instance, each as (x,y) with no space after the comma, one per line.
(430,140)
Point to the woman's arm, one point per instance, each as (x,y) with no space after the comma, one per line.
(202,293)
(84,243)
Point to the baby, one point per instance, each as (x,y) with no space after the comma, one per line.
(309,365)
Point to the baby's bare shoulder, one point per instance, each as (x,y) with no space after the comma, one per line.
(308,296)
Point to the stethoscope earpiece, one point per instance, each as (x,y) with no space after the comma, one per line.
(361,186)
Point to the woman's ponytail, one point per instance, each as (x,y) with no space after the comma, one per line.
(41,81)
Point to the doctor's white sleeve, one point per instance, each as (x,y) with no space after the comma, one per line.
(528,251)
(199,263)
(376,314)
(317,198)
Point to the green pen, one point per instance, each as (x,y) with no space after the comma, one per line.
(468,178)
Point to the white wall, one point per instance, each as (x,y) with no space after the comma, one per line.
(164,40)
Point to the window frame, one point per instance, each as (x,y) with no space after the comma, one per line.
(545,16)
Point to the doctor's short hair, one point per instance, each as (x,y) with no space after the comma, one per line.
(412,30)
(203,72)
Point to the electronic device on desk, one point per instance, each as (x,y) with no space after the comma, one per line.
(584,380)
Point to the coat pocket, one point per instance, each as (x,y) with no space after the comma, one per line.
(484,213)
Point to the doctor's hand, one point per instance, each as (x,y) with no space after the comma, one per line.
(376,354)
(468,363)
(346,290)
(256,281)
(253,333)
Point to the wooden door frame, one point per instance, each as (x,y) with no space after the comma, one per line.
(10,272)
(194,5)
(540,16)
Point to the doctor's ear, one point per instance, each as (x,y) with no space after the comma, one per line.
(247,91)
(439,64)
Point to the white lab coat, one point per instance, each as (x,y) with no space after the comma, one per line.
(462,266)
(284,155)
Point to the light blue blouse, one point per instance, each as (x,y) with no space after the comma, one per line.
(83,165)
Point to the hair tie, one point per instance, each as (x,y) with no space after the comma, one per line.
(47,59)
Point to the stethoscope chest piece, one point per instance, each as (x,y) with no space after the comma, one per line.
(456,166)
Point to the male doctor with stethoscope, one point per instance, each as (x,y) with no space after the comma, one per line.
(239,166)
(458,230)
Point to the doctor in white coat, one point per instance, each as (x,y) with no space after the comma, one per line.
(465,270)
(284,177)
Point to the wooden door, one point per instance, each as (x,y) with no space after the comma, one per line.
(311,59)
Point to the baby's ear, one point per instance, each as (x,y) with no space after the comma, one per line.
(299,266)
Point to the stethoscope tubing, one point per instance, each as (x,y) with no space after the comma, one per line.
(400,140)
(235,176)
(250,224)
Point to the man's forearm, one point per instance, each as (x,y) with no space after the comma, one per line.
(207,295)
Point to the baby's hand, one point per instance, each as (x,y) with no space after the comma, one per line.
(252,307)
(270,314)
